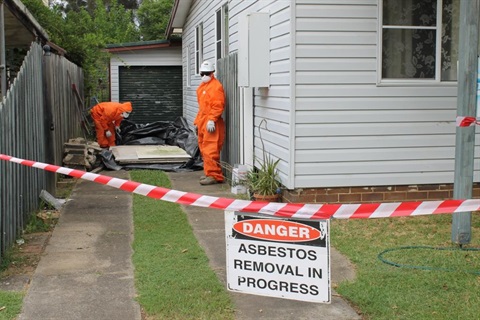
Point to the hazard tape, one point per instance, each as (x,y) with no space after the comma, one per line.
(289,210)
(466,121)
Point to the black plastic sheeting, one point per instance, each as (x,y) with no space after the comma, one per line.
(173,133)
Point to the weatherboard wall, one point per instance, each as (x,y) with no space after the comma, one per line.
(272,103)
(349,131)
(328,120)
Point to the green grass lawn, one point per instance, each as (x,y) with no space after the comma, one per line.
(174,281)
(172,275)
(383,291)
(10,304)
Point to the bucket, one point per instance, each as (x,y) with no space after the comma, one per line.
(239,174)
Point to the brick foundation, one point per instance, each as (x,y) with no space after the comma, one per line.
(374,194)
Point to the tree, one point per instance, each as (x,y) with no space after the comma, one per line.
(90,5)
(84,35)
(153,16)
(84,28)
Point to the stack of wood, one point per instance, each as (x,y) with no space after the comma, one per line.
(80,154)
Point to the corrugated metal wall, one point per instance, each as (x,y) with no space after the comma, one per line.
(227,74)
(61,104)
(155,92)
(38,101)
(21,136)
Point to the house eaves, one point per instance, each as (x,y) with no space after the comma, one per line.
(142,45)
(21,28)
(178,17)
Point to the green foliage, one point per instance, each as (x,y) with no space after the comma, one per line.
(84,34)
(10,305)
(10,302)
(173,278)
(35,224)
(6,259)
(153,16)
(90,5)
(264,180)
(77,5)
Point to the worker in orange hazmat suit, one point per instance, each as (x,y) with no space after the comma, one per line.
(107,117)
(209,123)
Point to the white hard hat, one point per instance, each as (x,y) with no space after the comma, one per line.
(207,66)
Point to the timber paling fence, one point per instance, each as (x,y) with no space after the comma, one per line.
(38,114)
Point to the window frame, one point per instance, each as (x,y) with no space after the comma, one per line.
(198,47)
(438,52)
(188,66)
(223,32)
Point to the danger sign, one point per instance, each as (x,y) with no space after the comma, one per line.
(283,258)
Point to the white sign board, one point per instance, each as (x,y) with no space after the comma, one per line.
(284,258)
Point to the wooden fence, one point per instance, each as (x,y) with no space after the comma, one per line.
(37,116)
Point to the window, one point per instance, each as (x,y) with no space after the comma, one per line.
(221,32)
(198,47)
(419,40)
(187,65)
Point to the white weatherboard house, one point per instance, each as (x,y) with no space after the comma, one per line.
(358,96)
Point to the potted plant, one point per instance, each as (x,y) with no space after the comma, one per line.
(263,182)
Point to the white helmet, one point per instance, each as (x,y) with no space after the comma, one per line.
(207,66)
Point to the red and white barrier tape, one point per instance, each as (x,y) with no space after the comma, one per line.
(466,121)
(290,210)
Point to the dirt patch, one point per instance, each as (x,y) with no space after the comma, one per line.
(24,258)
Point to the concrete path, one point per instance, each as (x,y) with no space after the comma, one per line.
(209,228)
(86,271)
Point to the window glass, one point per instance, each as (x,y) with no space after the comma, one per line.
(198,47)
(410,12)
(221,32)
(450,39)
(219,24)
(225,29)
(415,45)
(218,35)
(187,65)
(219,50)
(412,59)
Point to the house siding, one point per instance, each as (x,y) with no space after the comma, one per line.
(351,131)
(272,104)
(146,57)
(328,121)
(200,12)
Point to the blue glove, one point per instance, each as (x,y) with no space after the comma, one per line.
(210,126)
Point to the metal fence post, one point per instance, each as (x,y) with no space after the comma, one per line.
(48,121)
(466,104)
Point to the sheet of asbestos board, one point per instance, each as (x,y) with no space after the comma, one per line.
(149,154)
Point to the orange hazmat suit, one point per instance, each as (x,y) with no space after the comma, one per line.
(211,103)
(107,116)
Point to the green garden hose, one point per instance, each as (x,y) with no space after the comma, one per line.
(381,258)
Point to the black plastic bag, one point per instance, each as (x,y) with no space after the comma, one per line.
(173,133)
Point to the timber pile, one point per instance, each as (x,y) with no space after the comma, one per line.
(80,154)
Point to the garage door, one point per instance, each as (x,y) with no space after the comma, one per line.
(155,92)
